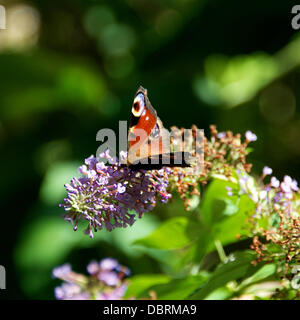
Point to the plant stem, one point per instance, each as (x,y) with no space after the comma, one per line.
(220,250)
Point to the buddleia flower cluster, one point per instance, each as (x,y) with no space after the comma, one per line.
(276,229)
(106,281)
(275,223)
(276,216)
(110,195)
(220,156)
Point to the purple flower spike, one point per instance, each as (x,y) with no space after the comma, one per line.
(106,281)
(70,291)
(108,195)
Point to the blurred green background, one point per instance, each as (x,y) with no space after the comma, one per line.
(70,68)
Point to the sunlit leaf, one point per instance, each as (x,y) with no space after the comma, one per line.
(176,289)
(225,215)
(228,230)
(263,273)
(238,266)
(216,200)
(222,293)
(140,283)
(174,233)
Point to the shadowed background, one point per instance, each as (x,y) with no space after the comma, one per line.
(70,68)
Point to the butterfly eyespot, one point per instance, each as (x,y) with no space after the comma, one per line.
(138,105)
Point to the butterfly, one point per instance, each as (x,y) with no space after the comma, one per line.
(148,140)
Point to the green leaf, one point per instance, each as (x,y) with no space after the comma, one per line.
(275,220)
(225,215)
(216,203)
(176,289)
(200,248)
(123,238)
(222,208)
(263,273)
(140,283)
(227,230)
(237,266)
(174,233)
(222,293)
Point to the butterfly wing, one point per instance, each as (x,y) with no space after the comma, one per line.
(148,140)
(143,121)
(143,117)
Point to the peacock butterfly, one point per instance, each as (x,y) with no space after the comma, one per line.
(148,140)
